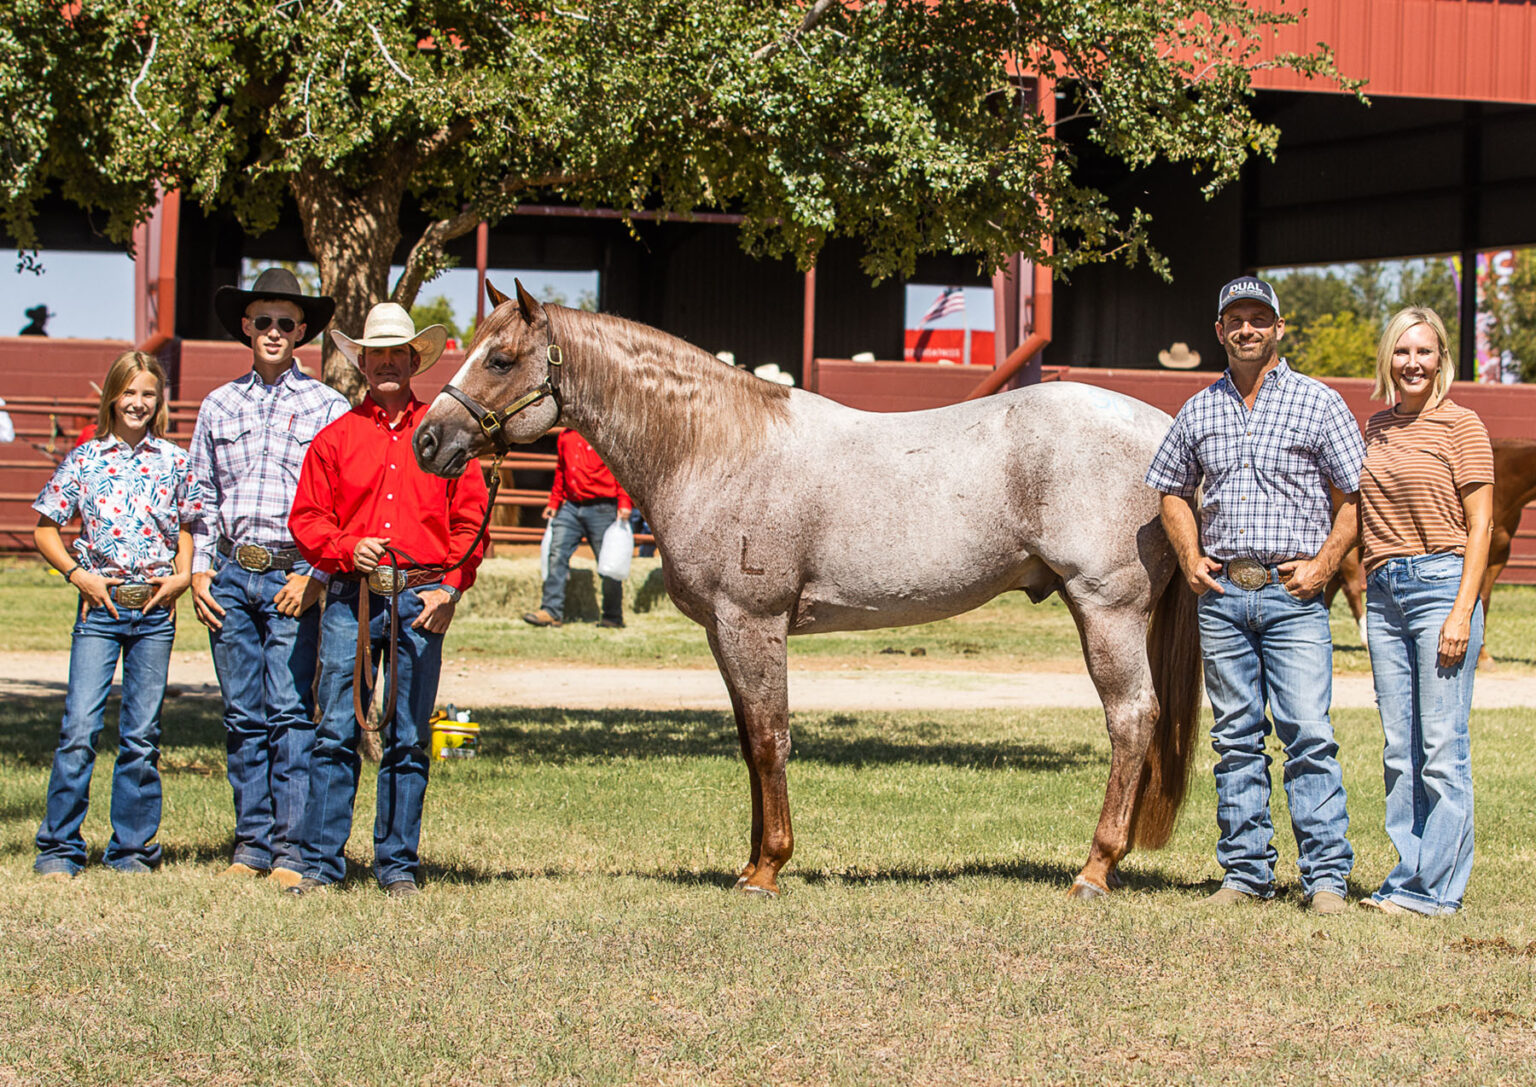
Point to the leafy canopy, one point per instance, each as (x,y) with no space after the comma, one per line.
(898,122)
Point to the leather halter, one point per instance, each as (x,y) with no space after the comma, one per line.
(492,422)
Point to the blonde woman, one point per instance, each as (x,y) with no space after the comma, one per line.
(135,498)
(1426,503)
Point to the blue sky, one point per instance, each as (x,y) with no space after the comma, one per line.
(90,294)
(977,315)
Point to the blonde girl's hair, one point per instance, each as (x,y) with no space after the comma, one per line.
(1401,322)
(123,370)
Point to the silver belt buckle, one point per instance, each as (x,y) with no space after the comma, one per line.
(133,597)
(1247,574)
(386,580)
(258,560)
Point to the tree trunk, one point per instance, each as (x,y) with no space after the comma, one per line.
(352,234)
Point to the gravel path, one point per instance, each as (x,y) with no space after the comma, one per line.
(513,684)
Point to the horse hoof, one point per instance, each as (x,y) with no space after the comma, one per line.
(751,889)
(1083,891)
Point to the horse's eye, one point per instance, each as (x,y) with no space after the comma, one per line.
(500,363)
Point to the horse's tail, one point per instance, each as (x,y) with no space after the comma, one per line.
(1173,650)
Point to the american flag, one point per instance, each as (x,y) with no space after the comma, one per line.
(950,300)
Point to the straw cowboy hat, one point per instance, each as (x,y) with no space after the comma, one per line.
(279,283)
(1179,357)
(389,325)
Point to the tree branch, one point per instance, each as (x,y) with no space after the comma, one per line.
(818,10)
(428,249)
(133,88)
(378,40)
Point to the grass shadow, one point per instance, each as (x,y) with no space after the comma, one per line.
(551,734)
(29,732)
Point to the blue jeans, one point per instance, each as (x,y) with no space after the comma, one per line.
(1424,709)
(1267,647)
(144,643)
(569,524)
(266,666)
(402,783)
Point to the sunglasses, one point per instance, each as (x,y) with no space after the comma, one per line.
(284,324)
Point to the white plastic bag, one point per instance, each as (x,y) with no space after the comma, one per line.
(549,534)
(618,548)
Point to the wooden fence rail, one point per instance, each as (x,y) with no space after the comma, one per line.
(50,440)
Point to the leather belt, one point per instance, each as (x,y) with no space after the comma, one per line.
(1250,574)
(131,595)
(388,581)
(258,559)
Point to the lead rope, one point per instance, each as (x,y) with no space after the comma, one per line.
(363,684)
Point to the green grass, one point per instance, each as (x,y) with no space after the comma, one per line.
(1008,633)
(577,926)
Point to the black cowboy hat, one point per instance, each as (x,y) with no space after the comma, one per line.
(279,283)
(40,313)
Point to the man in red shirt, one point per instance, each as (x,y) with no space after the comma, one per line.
(363,503)
(584,500)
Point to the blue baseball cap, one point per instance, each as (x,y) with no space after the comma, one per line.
(1247,287)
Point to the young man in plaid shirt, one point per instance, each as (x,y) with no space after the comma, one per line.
(250,586)
(1277,457)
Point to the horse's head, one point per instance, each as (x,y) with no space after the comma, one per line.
(507,391)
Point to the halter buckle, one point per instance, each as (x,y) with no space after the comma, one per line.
(553,355)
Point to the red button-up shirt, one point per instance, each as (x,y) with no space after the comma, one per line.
(581,474)
(360,478)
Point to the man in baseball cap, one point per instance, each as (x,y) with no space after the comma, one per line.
(1249,287)
(1277,457)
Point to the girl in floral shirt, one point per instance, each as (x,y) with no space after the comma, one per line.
(136,500)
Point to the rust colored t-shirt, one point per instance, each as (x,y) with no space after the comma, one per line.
(1410,490)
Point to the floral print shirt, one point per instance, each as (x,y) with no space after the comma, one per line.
(132,502)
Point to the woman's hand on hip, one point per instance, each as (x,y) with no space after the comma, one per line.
(95,591)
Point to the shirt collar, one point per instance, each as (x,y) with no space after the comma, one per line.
(1281,373)
(407,418)
(111,443)
(253,379)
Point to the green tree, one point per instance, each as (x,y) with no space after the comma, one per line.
(1330,311)
(898,122)
(438,310)
(1336,345)
(1512,305)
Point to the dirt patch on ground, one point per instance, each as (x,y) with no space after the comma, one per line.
(881,687)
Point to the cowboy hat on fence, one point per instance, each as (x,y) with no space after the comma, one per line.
(278,283)
(1179,357)
(389,325)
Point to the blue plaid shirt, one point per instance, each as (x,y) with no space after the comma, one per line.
(247,450)
(1265,472)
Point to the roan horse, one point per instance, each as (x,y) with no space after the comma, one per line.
(779,512)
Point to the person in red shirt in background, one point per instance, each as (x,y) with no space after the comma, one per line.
(584,500)
(363,503)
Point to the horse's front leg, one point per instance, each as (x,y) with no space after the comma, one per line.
(751,652)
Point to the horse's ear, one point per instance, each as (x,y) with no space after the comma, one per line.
(496,297)
(532,311)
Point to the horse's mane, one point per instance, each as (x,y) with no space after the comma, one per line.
(647,390)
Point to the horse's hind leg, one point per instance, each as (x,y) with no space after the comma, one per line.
(1114,646)
(751,654)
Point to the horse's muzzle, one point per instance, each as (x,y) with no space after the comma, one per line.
(437,456)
